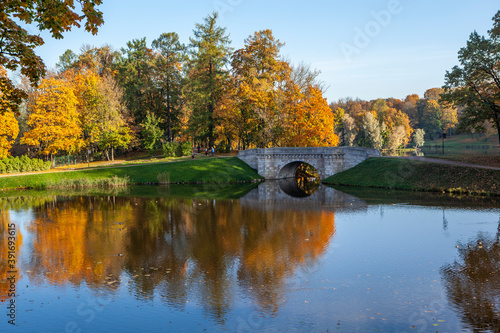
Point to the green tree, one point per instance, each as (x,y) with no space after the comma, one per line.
(136,77)
(67,60)
(430,119)
(151,131)
(475,84)
(171,55)
(210,52)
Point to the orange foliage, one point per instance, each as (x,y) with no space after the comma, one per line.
(311,122)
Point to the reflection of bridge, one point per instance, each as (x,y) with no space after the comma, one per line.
(278,163)
(270,193)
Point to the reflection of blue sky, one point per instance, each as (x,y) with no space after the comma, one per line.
(409,55)
(386,267)
(22,219)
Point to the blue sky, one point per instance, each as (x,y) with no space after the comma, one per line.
(366,49)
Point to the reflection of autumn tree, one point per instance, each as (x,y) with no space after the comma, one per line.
(175,248)
(4,253)
(473,283)
(276,245)
(156,249)
(77,240)
(199,243)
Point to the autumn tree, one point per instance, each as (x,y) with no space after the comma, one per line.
(264,87)
(170,57)
(418,137)
(447,113)
(54,124)
(100,60)
(101,111)
(396,138)
(210,52)
(372,136)
(9,128)
(430,118)
(17,44)
(350,130)
(410,108)
(311,122)
(475,84)
(390,119)
(231,122)
(338,117)
(304,76)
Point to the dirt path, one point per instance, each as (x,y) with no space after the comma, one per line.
(437,160)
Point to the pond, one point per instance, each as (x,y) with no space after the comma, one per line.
(248,258)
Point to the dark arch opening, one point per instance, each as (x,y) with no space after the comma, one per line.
(299,179)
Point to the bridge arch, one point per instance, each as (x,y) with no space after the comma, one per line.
(289,170)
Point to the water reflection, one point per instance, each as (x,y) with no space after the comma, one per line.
(301,264)
(167,249)
(473,282)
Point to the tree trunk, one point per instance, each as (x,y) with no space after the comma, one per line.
(169,130)
(112,154)
(210,108)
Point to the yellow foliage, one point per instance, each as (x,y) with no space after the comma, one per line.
(54,122)
(9,130)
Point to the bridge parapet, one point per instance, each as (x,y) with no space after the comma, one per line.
(271,162)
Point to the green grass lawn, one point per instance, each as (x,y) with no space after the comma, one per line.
(412,175)
(482,150)
(464,144)
(210,170)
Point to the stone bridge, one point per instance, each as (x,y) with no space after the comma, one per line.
(279,163)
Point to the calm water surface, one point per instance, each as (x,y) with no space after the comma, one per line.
(170,260)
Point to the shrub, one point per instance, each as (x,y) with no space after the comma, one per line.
(23,164)
(183,149)
(163,178)
(27,164)
(169,149)
(16,164)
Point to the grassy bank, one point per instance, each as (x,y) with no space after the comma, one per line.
(213,170)
(394,173)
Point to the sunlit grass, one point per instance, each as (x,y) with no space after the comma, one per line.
(209,170)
